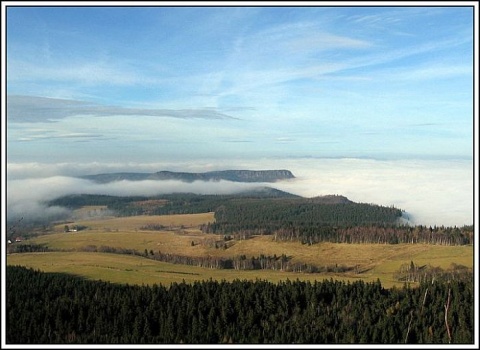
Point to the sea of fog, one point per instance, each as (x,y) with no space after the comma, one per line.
(431,192)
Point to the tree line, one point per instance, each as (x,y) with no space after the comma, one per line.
(238,262)
(407,272)
(379,234)
(242,262)
(286,218)
(311,233)
(47,308)
(411,272)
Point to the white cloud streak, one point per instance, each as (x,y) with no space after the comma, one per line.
(41,109)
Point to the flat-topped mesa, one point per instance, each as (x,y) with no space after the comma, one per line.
(253,175)
(228,175)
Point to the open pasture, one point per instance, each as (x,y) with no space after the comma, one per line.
(135,223)
(174,242)
(129,269)
(181,236)
(119,268)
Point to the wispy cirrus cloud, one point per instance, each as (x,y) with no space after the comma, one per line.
(74,136)
(89,73)
(298,39)
(316,80)
(266,64)
(430,72)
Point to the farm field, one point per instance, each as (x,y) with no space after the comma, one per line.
(181,235)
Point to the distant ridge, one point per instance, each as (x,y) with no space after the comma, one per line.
(229,175)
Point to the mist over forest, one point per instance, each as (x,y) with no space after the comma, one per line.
(411,185)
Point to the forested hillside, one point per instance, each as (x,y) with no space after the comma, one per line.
(268,208)
(284,216)
(43,308)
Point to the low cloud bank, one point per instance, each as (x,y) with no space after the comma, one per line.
(27,198)
(432,192)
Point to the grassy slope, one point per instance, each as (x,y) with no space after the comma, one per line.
(376,261)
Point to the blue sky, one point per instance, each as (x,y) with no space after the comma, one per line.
(143,84)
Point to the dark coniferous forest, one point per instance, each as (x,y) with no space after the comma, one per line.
(46,308)
(285,216)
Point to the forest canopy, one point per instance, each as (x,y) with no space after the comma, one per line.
(47,308)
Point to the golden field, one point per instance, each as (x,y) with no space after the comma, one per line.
(374,261)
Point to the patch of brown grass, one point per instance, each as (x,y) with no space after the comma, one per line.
(134,223)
